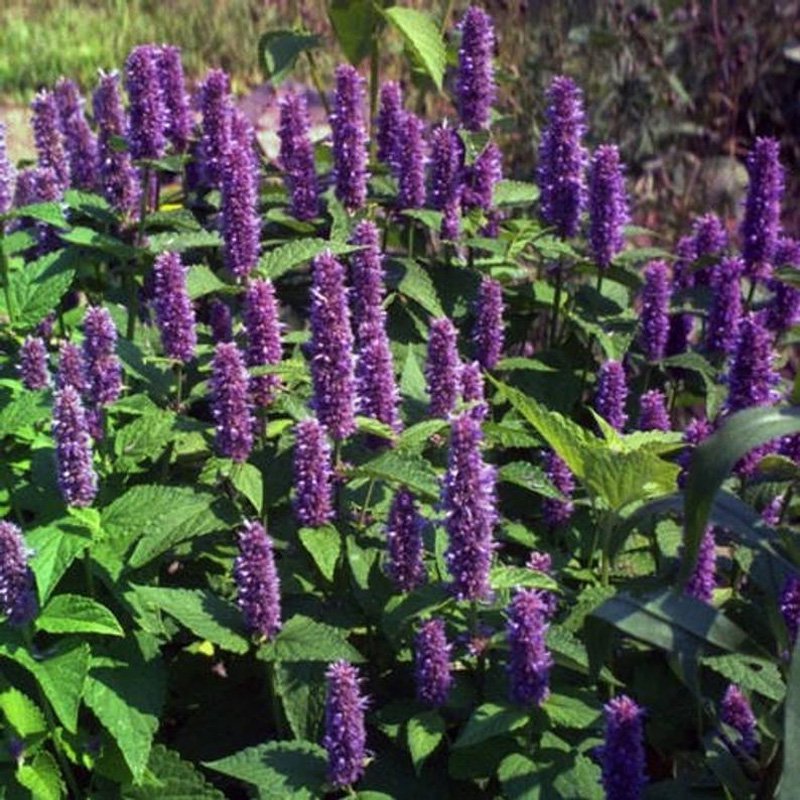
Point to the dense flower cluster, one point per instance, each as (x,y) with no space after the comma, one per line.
(622,755)
(655,310)
(174,309)
(432,668)
(80,142)
(349,138)
(297,156)
(735,711)
(442,368)
(345,737)
(653,414)
(488,331)
(257,582)
(263,330)
(404,542)
(390,121)
(33,368)
(7,175)
(48,138)
(703,580)
(476,86)
(77,479)
(612,394)
(529,661)
(313,475)
(17,595)
(178,126)
(147,110)
(231,406)
(556,512)
(608,205)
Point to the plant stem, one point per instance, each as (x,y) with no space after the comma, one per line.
(365,508)
(556,304)
(133,300)
(312,65)
(178,386)
(4,273)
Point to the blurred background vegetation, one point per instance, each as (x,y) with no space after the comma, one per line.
(682,86)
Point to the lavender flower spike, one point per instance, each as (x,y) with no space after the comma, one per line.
(263,338)
(7,174)
(404,540)
(752,376)
(488,332)
(557,512)
(485,173)
(241,224)
(103,371)
(411,163)
(726,307)
(331,348)
(703,580)
(297,156)
(736,712)
(71,368)
(529,660)
(472,390)
(469,503)
(562,158)
(608,205)
(48,138)
(442,367)
(79,141)
(655,310)
(220,321)
(709,238)
(17,595)
(178,128)
(761,222)
(174,309)
(257,582)
(784,310)
(790,607)
(475,84)
(33,364)
(77,479)
(612,394)
(349,138)
(313,475)
(622,755)
(148,114)
(216,108)
(117,175)
(653,414)
(432,668)
(345,736)
(390,121)
(230,403)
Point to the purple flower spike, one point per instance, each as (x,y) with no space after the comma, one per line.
(726,307)
(752,376)
(469,503)
(349,138)
(48,138)
(482,177)
(174,309)
(230,403)
(117,175)
(608,205)
(445,168)
(653,414)
(703,580)
(33,364)
(529,661)
(313,475)
(432,668)
(762,211)
(216,108)
(622,755)
(220,321)
(263,338)
(442,367)
(79,141)
(297,157)
(655,310)
(390,121)
(26,189)
(375,382)
(695,432)
(148,114)
(562,158)
(784,310)
(178,126)
(790,607)
(539,561)
(241,224)
(411,163)
(709,238)
(331,348)
(103,371)
(472,389)
(77,479)
(736,712)
(7,174)
(404,540)
(488,333)
(345,736)
(17,595)
(557,512)
(475,84)
(71,368)
(612,394)
(257,583)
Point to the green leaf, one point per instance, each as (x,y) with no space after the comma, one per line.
(417,284)
(279,51)
(285,258)
(754,674)
(23,412)
(790,777)
(572,710)
(71,613)
(180,242)
(488,721)
(324,545)
(530,477)
(51,213)
(412,381)
(128,701)
(555,775)
(301,688)
(714,459)
(54,550)
(422,38)
(280,770)
(102,242)
(416,437)
(515,193)
(169,777)
(144,438)
(247,479)
(353,22)
(424,732)
(202,612)
(305,639)
(201,281)
(36,290)
(403,469)
(42,777)
(21,713)
(510,577)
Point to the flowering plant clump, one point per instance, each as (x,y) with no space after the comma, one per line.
(356,462)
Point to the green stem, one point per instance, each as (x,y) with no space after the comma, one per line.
(178,386)
(750,295)
(556,304)
(411,229)
(4,274)
(787,499)
(87,566)
(365,508)
(130,276)
(312,65)
(277,711)
(446,18)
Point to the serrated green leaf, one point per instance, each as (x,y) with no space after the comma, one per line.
(372,427)
(202,612)
(754,674)
(515,193)
(412,380)
(285,258)
(424,732)
(353,22)
(102,242)
(51,213)
(42,777)
(790,776)
(280,770)
(169,777)
(71,613)
(416,437)
(36,290)
(305,639)
(572,710)
(144,438)
(247,479)
(180,242)
(21,713)
(22,412)
(488,721)
(422,38)
(200,281)
(301,688)
(511,577)
(530,477)
(279,51)
(324,545)
(403,469)
(417,284)
(54,550)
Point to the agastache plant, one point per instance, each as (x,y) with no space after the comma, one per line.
(33,368)
(345,736)
(297,156)
(216,109)
(442,367)
(349,138)
(48,138)
(444,179)
(608,205)
(735,710)
(789,604)
(475,82)
(174,309)
(178,112)
(257,582)
(103,370)
(653,414)
(390,121)
(432,667)
(263,330)
(488,331)
(231,406)
(655,310)
(17,595)
(148,113)
(557,512)
(404,542)
(703,580)
(784,309)
(7,174)
(80,142)
(622,756)
(725,314)
(612,394)
(77,479)
(71,368)
(411,163)
(529,660)
(313,475)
